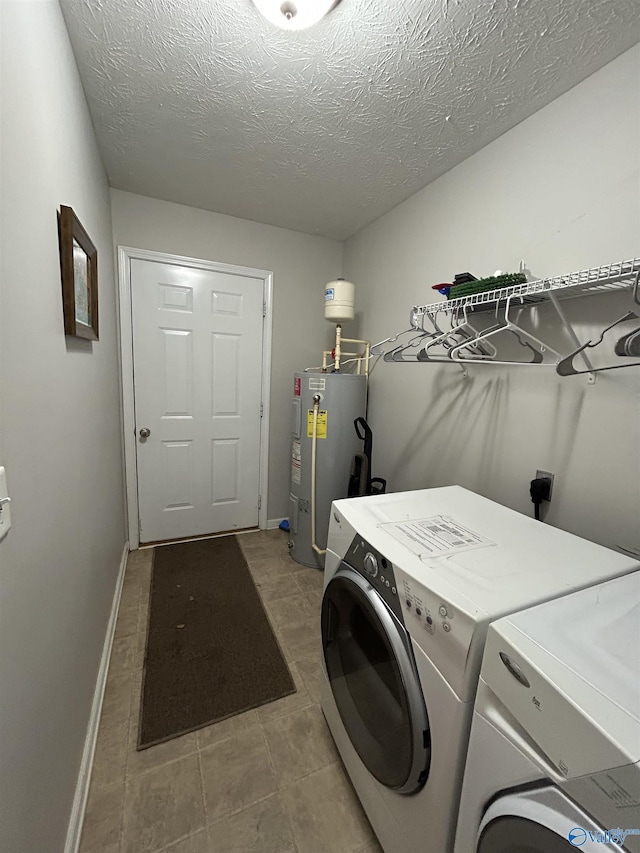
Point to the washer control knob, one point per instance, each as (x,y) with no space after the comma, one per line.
(418,611)
(443,611)
(446,626)
(370,564)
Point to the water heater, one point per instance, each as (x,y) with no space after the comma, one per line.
(342,400)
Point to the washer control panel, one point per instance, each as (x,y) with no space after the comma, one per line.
(443,632)
(367,560)
(370,565)
(432,613)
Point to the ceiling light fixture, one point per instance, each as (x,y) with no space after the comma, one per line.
(294,14)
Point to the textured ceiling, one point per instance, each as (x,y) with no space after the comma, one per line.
(204,103)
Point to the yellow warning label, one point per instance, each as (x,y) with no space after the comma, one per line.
(321,429)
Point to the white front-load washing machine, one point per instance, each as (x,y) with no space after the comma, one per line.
(412,581)
(554,753)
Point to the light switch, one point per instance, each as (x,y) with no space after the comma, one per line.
(5,505)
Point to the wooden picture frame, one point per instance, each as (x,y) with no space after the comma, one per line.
(79,269)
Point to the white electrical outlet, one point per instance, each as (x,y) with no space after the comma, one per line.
(550,476)
(5,505)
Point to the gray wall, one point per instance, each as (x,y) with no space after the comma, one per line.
(560,190)
(301,266)
(59,435)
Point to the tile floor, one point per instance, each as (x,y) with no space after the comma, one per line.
(268,780)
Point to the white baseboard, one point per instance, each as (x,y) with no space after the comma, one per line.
(84,777)
(272,523)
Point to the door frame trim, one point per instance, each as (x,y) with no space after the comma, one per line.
(125,327)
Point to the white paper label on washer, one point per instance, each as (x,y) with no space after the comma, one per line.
(317,384)
(435,536)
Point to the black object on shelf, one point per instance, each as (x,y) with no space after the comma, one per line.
(463,278)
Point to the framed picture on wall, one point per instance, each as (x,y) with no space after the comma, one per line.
(79,267)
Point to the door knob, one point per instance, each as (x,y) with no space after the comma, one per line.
(145,432)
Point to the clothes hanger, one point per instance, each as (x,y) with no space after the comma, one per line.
(390,340)
(436,335)
(477,342)
(451,338)
(627,346)
(541,352)
(565,366)
(397,354)
(479,349)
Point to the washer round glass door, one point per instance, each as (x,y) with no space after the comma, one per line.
(374,682)
(519,835)
(541,820)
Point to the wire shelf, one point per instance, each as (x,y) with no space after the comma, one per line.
(607,278)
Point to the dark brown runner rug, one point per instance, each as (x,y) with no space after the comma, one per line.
(211,652)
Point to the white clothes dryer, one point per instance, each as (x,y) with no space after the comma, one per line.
(412,581)
(554,754)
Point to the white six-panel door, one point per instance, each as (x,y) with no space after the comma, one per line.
(197,353)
